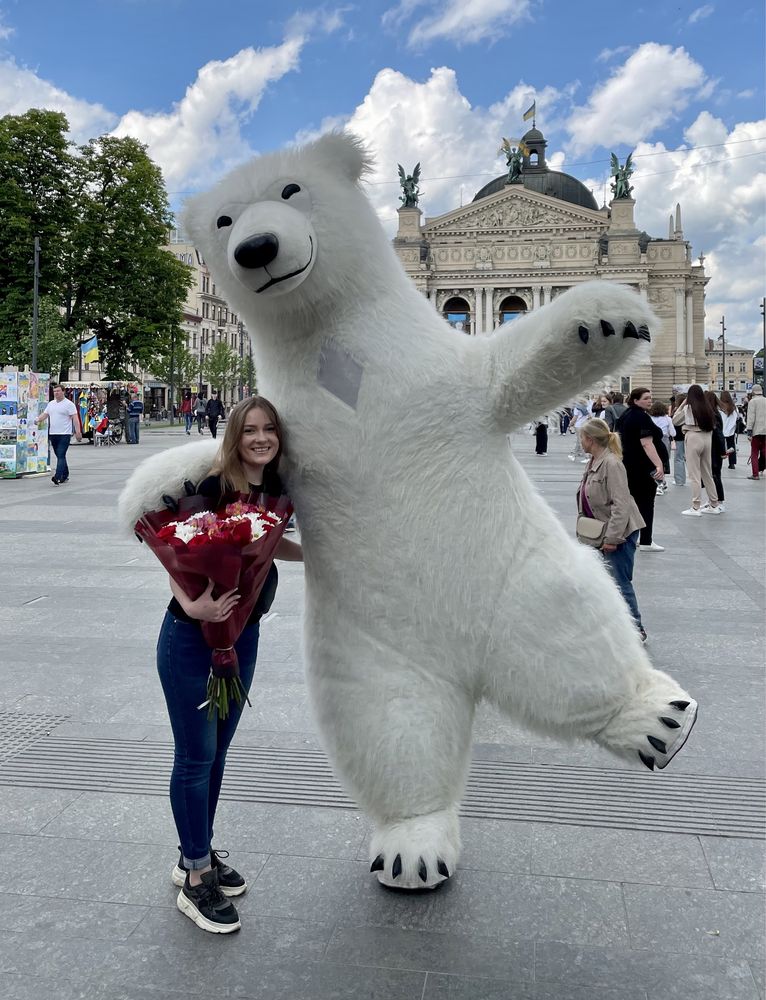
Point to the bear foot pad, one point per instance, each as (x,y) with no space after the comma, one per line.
(418,853)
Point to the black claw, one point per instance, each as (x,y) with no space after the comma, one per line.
(680,705)
(607,329)
(646,759)
(422,870)
(378,864)
(190,488)
(643,333)
(657,744)
(170,502)
(442,869)
(396,868)
(670,723)
(630,331)
(582,333)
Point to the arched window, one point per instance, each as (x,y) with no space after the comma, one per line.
(534,158)
(457,312)
(511,308)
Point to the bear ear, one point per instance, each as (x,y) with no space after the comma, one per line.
(345,152)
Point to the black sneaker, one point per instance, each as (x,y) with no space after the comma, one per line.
(207,906)
(229,880)
(56,482)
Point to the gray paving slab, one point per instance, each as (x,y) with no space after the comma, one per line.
(535,912)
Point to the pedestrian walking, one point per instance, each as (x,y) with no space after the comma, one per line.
(729,417)
(659,415)
(214,411)
(63,422)
(135,412)
(199,412)
(247,461)
(698,424)
(679,458)
(566,416)
(541,436)
(605,496)
(615,410)
(640,438)
(580,413)
(756,431)
(186,410)
(717,448)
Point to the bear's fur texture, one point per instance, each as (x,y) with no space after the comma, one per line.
(431,562)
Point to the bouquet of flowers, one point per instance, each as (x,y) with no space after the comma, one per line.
(234,547)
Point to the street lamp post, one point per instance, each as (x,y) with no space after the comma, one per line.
(241,392)
(723,352)
(763,357)
(172,371)
(35,302)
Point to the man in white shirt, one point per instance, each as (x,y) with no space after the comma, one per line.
(64,421)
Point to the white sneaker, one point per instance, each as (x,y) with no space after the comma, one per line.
(652,547)
(707,509)
(584,460)
(571,458)
(691,512)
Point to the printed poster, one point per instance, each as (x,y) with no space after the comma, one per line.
(8,386)
(7,461)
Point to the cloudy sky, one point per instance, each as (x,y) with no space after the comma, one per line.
(208,84)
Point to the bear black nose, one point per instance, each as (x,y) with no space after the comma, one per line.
(257,251)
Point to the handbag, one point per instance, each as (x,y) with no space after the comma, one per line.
(590,531)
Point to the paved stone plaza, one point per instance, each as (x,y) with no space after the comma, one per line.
(610,883)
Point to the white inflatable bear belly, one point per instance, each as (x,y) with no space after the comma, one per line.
(431,561)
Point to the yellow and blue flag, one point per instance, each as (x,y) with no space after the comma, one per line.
(530,113)
(90,350)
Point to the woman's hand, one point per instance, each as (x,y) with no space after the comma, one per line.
(608,548)
(208,609)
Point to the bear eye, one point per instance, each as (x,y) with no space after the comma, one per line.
(289,190)
(223,220)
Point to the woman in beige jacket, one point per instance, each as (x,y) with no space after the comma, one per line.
(604,494)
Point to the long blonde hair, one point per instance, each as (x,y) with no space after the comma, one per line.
(228,464)
(598,430)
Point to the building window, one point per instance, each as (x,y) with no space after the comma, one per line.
(720,367)
(743,366)
(511,308)
(194,339)
(457,312)
(731,368)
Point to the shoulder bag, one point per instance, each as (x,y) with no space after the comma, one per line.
(590,531)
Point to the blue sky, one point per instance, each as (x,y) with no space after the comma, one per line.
(207,84)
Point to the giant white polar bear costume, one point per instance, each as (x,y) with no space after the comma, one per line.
(430,560)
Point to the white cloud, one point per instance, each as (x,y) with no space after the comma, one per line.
(606,54)
(700,13)
(654,84)
(21,89)
(460,21)
(405,121)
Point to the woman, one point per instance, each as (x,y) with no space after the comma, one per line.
(599,406)
(199,412)
(729,417)
(642,460)
(717,447)
(186,410)
(659,415)
(604,494)
(247,462)
(697,420)
(679,461)
(541,437)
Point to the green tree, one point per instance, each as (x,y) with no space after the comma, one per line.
(185,369)
(102,216)
(248,375)
(221,367)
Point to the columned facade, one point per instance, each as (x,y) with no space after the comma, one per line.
(516,247)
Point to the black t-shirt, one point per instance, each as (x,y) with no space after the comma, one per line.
(634,425)
(212,487)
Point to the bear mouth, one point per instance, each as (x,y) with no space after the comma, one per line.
(284,277)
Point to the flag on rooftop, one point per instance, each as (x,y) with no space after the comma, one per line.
(530,113)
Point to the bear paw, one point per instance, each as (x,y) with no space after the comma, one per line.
(671,731)
(416,853)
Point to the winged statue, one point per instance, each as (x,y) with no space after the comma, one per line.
(514,150)
(620,187)
(410,190)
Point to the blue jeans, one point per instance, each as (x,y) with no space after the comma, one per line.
(620,565)
(60,445)
(188,420)
(132,430)
(183,664)
(679,463)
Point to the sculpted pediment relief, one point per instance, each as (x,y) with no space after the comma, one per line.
(514,210)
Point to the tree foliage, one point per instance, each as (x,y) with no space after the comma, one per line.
(102,215)
(249,379)
(185,369)
(221,367)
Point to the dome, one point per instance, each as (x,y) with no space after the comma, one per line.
(550,182)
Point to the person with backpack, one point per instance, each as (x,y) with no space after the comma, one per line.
(214,411)
(199,412)
(615,410)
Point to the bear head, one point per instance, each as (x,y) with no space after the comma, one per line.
(284,235)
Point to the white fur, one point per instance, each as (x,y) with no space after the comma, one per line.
(431,561)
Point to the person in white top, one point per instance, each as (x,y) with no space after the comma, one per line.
(61,413)
(729,417)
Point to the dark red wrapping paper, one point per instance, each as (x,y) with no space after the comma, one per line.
(230,567)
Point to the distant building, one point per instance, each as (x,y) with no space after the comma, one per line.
(518,245)
(738,376)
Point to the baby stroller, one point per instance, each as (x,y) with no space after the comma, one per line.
(103,433)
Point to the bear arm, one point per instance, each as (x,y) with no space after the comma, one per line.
(540,362)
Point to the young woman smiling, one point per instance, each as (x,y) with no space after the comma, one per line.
(247,462)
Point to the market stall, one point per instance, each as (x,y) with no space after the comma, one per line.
(23,444)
